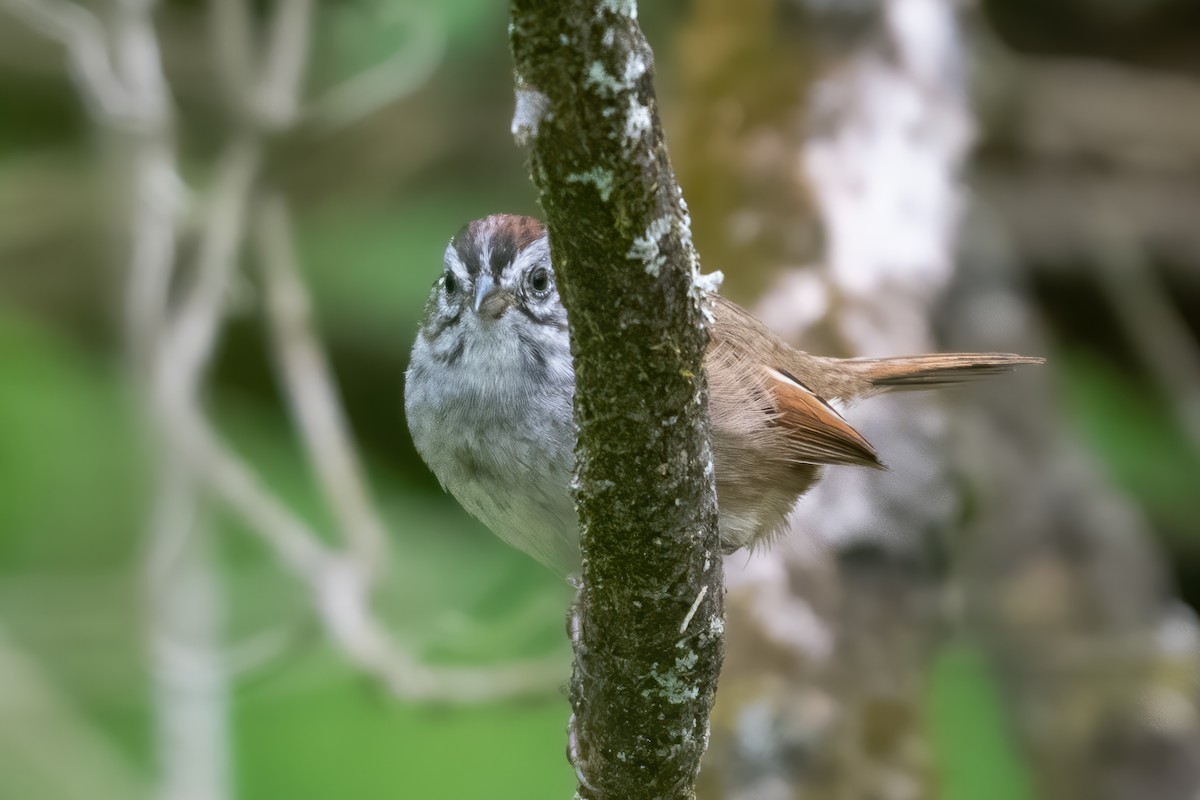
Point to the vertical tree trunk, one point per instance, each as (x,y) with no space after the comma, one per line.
(649,619)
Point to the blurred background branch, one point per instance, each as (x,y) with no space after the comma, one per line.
(176,314)
(109,94)
(36,713)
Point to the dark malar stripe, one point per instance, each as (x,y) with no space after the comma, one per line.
(549,319)
(455,354)
(535,356)
(438,329)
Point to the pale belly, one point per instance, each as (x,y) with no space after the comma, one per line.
(507,460)
(525,500)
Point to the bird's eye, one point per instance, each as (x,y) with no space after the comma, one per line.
(539,280)
(451,283)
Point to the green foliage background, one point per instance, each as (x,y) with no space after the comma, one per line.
(72,471)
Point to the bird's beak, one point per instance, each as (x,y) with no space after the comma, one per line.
(490,301)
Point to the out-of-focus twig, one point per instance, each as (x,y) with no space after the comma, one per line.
(339,588)
(128,91)
(186,618)
(235,483)
(1119,113)
(339,581)
(84,38)
(119,70)
(278,90)
(305,373)
(238,659)
(190,339)
(1155,328)
(361,95)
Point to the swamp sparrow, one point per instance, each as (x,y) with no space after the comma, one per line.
(489,389)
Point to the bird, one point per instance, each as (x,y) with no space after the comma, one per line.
(489,394)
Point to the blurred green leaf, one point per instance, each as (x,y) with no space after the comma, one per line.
(323,739)
(362,34)
(975,753)
(70,465)
(1136,435)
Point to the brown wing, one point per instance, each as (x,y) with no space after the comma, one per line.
(815,432)
(759,402)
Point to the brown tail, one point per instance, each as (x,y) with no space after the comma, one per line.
(933,371)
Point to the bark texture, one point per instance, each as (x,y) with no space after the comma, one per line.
(648,626)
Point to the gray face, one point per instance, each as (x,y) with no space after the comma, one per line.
(490,385)
(496,299)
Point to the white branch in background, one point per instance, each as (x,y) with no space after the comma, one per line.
(279,88)
(84,38)
(300,550)
(306,376)
(186,620)
(339,582)
(137,57)
(364,94)
(158,198)
(190,339)
(128,91)
(118,69)
(339,588)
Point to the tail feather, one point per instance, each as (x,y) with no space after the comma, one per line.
(932,371)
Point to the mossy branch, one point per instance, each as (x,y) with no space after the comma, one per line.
(650,618)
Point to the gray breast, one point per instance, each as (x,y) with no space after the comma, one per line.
(519,486)
(505,450)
